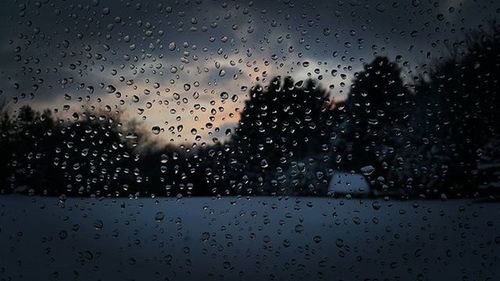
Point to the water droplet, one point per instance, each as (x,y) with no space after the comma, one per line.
(110,89)
(367,170)
(159,216)
(156,130)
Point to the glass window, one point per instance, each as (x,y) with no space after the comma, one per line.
(244,140)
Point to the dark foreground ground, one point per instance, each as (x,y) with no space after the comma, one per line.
(261,238)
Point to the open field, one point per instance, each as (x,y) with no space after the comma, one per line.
(260,238)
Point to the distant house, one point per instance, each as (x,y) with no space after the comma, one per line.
(343,183)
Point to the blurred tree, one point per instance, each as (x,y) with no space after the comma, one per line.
(282,122)
(466,85)
(6,148)
(89,155)
(377,111)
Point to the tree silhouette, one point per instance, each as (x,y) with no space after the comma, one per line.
(90,155)
(466,87)
(6,148)
(376,109)
(282,122)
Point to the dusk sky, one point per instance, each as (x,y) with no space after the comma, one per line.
(186,66)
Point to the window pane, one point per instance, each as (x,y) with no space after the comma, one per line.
(243,140)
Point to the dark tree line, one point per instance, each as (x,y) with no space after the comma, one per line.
(437,137)
(465,125)
(88,155)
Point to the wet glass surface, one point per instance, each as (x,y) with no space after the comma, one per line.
(243,140)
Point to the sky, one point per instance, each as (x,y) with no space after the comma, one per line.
(182,69)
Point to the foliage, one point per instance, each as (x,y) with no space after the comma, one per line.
(440,138)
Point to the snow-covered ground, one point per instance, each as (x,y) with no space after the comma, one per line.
(260,238)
